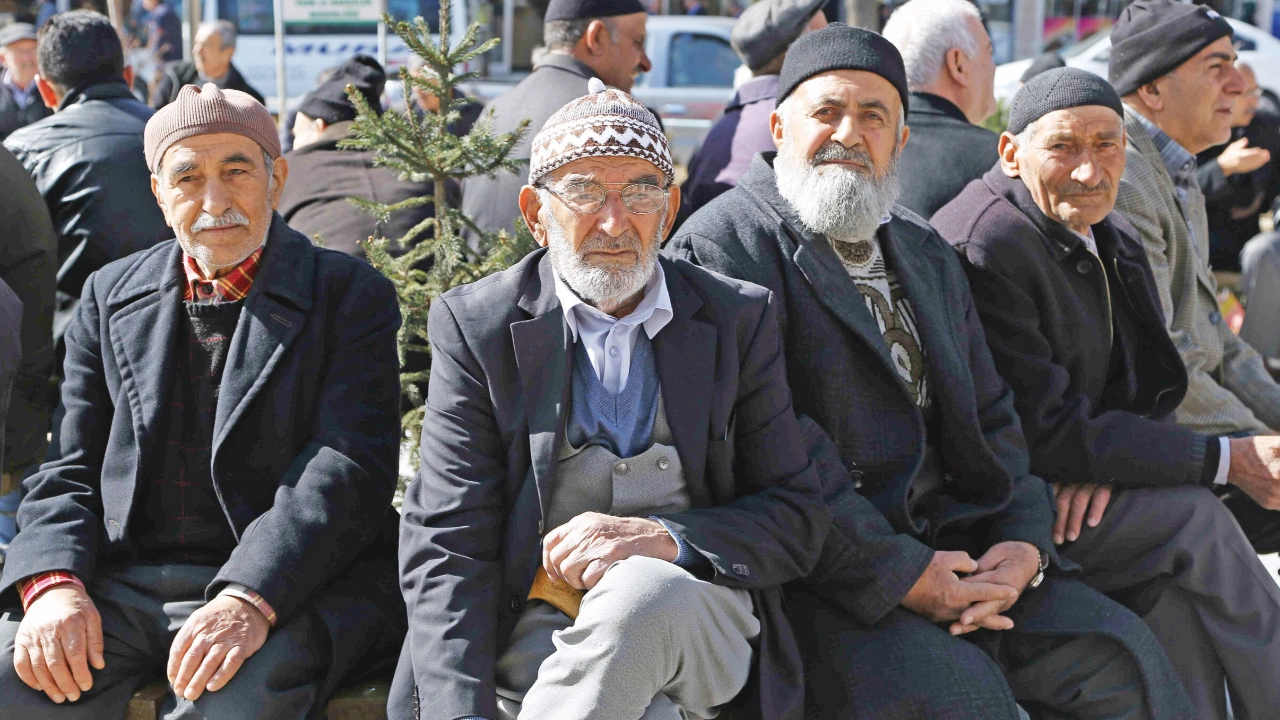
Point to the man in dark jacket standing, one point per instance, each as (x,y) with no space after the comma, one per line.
(760,37)
(315,202)
(212,50)
(951,73)
(10,365)
(884,350)
(584,39)
(20,103)
(221,502)
(613,486)
(1073,320)
(29,265)
(86,158)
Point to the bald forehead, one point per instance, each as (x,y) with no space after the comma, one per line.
(848,88)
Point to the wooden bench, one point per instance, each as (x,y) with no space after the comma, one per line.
(362,701)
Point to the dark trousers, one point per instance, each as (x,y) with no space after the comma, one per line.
(905,668)
(1178,557)
(142,609)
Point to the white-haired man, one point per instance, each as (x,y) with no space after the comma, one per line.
(951,72)
(215,45)
(613,486)
(886,353)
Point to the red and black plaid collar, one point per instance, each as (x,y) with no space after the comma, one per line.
(230,287)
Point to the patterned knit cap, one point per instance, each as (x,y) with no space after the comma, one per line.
(603,123)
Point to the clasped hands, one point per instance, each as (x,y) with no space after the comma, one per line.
(60,637)
(991,585)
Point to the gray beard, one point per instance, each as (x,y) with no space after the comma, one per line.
(186,240)
(603,287)
(834,201)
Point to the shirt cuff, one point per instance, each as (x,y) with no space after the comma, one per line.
(1224,461)
(237,590)
(30,588)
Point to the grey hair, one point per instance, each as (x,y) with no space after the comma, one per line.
(564,34)
(1023,139)
(225,29)
(925,30)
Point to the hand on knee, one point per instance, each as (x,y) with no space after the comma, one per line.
(212,645)
(59,638)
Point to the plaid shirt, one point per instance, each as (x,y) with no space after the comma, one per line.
(230,287)
(1181,165)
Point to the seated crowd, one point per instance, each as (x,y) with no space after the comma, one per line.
(768,445)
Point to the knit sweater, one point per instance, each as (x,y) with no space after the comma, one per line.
(183,520)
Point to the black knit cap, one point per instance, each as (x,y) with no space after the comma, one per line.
(329,101)
(585,9)
(1154,37)
(1042,64)
(1060,89)
(840,47)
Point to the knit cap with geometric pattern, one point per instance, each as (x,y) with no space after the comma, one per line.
(603,123)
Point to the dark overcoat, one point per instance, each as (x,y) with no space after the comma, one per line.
(475,515)
(1053,312)
(176,75)
(10,352)
(945,152)
(842,377)
(13,117)
(305,439)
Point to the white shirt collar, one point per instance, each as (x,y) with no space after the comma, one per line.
(1088,239)
(653,312)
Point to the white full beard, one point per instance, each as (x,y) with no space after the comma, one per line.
(832,200)
(605,288)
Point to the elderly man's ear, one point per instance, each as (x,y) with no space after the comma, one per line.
(530,206)
(280,173)
(1008,155)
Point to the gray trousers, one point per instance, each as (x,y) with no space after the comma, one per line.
(142,609)
(1209,600)
(651,641)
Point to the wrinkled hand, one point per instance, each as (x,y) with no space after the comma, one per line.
(1011,564)
(581,550)
(213,644)
(1255,469)
(1238,157)
(941,596)
(1077,502)
(58,639)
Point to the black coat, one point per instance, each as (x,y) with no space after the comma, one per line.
(305,439)
(10,353)
(1235,203)
(494,202)
(1046,305)
(841,375)
(13,117)
(29,264)
(88,163)
(945,151)
(185,73)
(473,518)
(322,177)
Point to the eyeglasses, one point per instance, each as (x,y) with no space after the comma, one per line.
(587,197)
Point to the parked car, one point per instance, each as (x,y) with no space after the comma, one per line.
(690,83)
(1256,47)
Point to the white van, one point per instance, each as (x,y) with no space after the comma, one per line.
(310,49)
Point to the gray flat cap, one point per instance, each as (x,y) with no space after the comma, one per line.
(14,32)
(765,30)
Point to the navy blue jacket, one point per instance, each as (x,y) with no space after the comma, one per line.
(305,441)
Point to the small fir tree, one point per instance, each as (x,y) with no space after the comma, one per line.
(433,256)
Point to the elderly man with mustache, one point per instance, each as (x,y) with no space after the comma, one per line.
(940,592)
(220,508)
(613,486)
(1072,316)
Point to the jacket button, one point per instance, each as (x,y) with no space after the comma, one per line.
(740,569)
(1083,267)
(1215,317)
(663,463)
(621,468)
(515,604)
(856,476)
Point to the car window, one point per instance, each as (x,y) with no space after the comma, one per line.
(698,60)
(1243,44)
(256,17)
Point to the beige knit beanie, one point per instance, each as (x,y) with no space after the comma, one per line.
(205,111)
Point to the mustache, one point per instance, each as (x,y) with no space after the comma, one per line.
(230,218)
(1073,188)
(832,150)
(600,240)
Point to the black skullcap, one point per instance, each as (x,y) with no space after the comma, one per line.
(586,9)
(329,101)
(840,47)
(764,30)
(14,32)
(1043,64)
(1153,37)
(1060,89)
